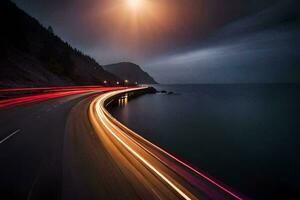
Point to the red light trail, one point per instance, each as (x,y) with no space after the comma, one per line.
(49,93)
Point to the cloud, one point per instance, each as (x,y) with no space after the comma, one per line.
(265,56)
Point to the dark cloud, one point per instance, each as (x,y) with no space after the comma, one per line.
(263,47)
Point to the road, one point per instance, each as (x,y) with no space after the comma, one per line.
(70,147)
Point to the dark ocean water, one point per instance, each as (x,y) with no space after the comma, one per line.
(246,135)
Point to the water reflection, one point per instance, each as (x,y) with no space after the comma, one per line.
(122,101)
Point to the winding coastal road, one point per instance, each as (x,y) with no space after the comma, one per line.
(62,143)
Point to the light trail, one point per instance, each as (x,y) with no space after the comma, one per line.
(49,88)
(50,93)
(178,160)
(105,120)
(101,116)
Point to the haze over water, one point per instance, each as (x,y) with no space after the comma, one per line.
(246,135)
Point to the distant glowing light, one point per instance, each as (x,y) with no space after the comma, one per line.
(135,4)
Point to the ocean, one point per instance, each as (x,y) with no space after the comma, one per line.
(246,135)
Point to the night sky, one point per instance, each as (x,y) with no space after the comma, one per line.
(183,41)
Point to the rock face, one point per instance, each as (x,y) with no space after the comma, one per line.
(31,55)
(131,72)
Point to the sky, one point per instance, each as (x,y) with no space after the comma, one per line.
(183,41)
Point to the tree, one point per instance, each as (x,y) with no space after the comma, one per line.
(50,29)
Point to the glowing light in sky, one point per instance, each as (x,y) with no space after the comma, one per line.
(132,26)
(135,4)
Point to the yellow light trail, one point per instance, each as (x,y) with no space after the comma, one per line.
(98,105)
(101,118)
(173,157)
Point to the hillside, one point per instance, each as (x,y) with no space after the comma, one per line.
(130,71)
(31,55)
